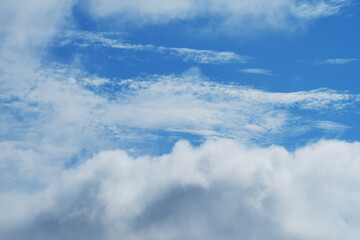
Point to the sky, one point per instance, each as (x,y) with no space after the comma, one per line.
(179,119)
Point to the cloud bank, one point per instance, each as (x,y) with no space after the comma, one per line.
(221,189)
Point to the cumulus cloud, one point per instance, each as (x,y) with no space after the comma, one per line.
(221,189)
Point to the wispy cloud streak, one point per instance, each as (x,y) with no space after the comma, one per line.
(187,54)
(333,61)
(338,61)
(257,71)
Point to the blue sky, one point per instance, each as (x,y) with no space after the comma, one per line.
(179,119)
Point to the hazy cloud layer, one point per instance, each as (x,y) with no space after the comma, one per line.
(245,15)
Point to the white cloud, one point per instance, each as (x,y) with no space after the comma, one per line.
(53,114)
(221,189)
(228,15)
(22,24)
(257,71)
(315,9)
(187,54)
(330,126)
(59,114)
(95,81)
(340,60)
(333,61)
(205,56)
(191,103)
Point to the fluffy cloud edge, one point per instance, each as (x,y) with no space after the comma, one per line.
(309,194)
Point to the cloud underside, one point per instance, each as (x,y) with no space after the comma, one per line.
(221,190)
